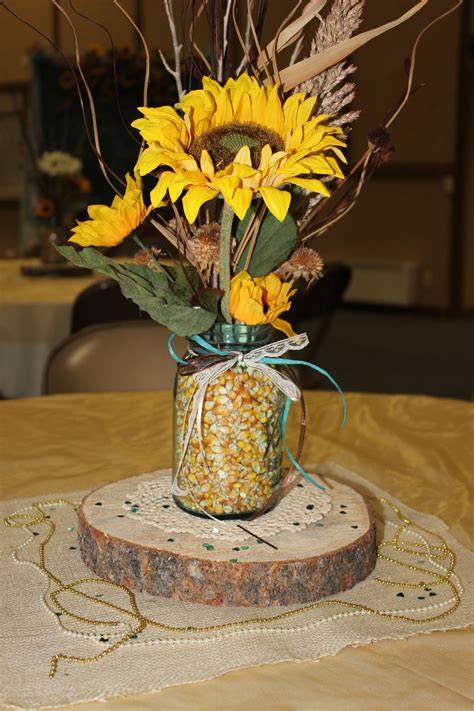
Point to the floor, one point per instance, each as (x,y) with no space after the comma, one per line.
(378,350)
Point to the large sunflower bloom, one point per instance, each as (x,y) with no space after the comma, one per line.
(109,226)
(238,140)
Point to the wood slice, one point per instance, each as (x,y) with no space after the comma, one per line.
(319,560)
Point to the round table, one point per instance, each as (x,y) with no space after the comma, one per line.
(35,315)
(418,449)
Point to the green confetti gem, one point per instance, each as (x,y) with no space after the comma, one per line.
(133,636)
(259,541)
(234,560)
(134,509)
(208,546)
(319,525)
(71,528)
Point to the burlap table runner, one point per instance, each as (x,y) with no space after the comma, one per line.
(430,591)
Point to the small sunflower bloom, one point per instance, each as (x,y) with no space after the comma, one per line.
(261,300)
(109,226)
(238,141)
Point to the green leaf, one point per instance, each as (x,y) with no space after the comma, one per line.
(208,299)
(184,320)
(151,291)
(186,281)
(274,243)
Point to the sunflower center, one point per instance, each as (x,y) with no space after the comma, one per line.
(223,143)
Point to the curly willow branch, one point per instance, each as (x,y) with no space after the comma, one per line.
(114,65)
(88,91)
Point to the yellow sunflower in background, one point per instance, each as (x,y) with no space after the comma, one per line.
(238,140)
(109,226)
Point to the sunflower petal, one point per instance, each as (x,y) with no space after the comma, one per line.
(284,326)
(315,186)
(277,201)
(194,199)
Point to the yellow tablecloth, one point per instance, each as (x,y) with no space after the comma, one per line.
(419,449)
(35,315)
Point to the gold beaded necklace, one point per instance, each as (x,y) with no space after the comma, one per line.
(439,552)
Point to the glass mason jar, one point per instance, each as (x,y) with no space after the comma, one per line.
(235,471)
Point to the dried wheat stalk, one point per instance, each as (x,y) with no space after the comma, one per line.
(331,86)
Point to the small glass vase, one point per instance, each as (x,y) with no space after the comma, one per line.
(235,471)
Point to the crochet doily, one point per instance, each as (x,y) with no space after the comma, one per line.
(151,502)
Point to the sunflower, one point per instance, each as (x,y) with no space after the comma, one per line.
(109,226)
(239,141)
(261,300)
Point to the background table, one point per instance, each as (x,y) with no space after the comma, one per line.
(416,448)
(35,315)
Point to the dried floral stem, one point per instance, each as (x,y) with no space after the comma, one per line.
(253,241)
(244,41)
(177,47)
(224,259)
(89,96)
(257,43)
(339,214)
(114,66)
(225,41)
(194,45)
(246,237)
(286,21)
(167,234)
(297,50)
(413,58)
(146,80)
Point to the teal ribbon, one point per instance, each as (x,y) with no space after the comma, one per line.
(272,361)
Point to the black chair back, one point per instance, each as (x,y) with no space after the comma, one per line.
(103,302)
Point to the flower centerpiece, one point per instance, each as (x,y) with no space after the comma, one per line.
(238,178)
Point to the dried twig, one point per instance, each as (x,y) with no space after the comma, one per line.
(225,41)
(89,95)
(283,25)
(297,50)
(177,47)
(244,41)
